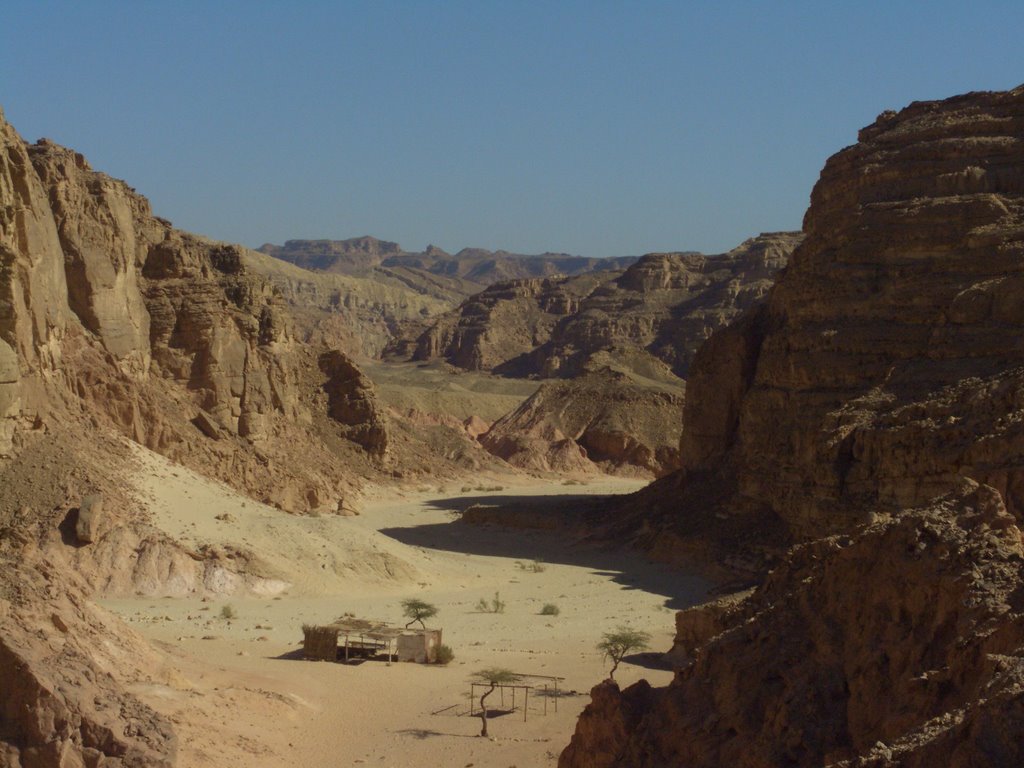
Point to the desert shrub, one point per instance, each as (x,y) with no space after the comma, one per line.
(495,605)
(534,566)
(444,654)
(549,609)
(228,612)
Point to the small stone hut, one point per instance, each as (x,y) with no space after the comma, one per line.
(419,645)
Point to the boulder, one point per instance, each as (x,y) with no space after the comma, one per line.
(90,518)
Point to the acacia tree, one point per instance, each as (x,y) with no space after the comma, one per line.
(615,645)
(493,676)
(417,610)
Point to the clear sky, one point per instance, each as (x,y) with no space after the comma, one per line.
(598,128)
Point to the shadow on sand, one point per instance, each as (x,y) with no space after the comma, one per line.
(679,587)
(424,733)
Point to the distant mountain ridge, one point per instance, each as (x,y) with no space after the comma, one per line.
(359,255)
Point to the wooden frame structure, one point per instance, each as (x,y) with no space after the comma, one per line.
(550,685)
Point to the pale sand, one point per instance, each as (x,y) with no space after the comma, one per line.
(236,702)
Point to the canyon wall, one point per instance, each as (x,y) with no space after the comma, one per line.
(115,326)
(868,412)
(109,314)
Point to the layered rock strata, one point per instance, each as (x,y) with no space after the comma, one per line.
(661,308)
(115,325)
(868,410)
(602,421)
(108,312)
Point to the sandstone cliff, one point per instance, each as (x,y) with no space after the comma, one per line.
(662,307)
(115,325)
(856,411)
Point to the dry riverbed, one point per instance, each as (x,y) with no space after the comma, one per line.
(240,695)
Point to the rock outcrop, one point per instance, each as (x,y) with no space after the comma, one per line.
(353,403)
(504,322)
(661,308)
(365,314)
(868,411)
(602,421)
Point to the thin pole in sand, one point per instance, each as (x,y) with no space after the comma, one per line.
(526,702)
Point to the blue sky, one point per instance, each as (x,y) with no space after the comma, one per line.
(599,128)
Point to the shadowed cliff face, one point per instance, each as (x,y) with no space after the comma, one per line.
(858,410)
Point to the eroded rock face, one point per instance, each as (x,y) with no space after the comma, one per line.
(352,402)
(807,672)
(108,311)
(503,322)
(849,412)
(604,420)
(887,356)
(65,665)
(114,323)
(10,396)
(661,308)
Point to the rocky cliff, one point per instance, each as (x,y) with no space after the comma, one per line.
(114,325)
(662,307)
(868,410)
(108,313)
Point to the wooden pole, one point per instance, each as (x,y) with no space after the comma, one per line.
(526,702)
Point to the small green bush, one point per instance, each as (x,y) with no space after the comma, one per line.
(444,655)
(549,609)
(228,612)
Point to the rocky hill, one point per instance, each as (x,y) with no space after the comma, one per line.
(362,315)
(869,412)
(604,420)
(375,299)
(662,307)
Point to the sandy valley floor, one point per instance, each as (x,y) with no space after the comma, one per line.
(240,696)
